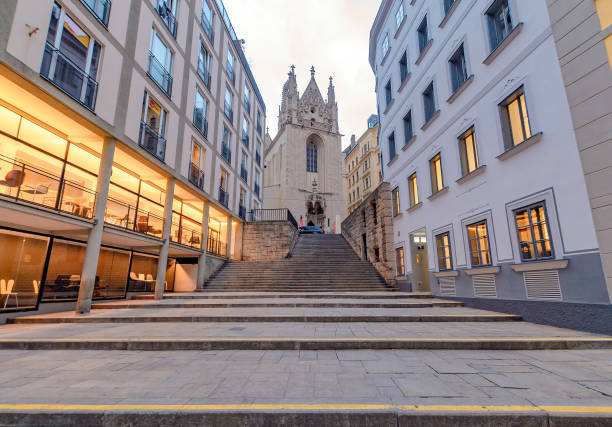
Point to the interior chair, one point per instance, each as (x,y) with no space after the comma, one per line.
(13,178)
(150,277)
(39,189)
(7,290)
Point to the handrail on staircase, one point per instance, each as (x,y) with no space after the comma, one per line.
(284,214)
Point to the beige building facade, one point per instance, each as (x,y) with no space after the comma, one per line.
(304,161)
(362,166)
(583,38)
(131,145)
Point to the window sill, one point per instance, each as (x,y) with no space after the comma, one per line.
(520,147)
(396,217)
(408,143)
(438,193)
(478,171)
(382,63)
(425,50)
(449,13)
(474,271)
(414,208)
(399,29)
(404,83)
(540,265)
(505,42)
(393,160)
(448,273)
(460,90)
(389,105)
(431,120)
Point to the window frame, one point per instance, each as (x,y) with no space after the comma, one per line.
(413,190)
(463,154)
(385,47)
(448,5)
(491,20)
(434,179)
(429,89)
(438,239)
(533,242)
(423,34)
(408,127)
(391,143)
(230,66)
(205,60)
(506,119)
(399,255)
(478,238)
(403,66)
(399,18)
(228,104)
(458,68)
(204,129)
(395,201)
(388,93)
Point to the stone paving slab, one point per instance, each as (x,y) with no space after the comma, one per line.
(317,295)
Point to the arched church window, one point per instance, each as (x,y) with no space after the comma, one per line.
(311,157)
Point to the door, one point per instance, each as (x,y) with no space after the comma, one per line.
(418,255)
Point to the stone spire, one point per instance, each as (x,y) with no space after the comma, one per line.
(288,108)
(331,93)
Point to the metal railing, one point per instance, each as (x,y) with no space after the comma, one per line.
(151,141)
(244,174)
(223,197)
(69,77)
(245,139)
(242,212)
(186,236)
(100,9)
(168,17)
(214,244)
(157,71)
(284,214)
(204,75)
(196,176)
(25,183)
(200,122)
(226,153)
(123,215)
(208,29)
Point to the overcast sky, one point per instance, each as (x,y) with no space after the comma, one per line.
(332,35)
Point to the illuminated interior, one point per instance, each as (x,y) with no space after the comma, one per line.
(217,232)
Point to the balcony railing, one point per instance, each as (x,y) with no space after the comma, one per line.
(245,139)
(186,236)
(100,9)
(242,212)
(223,197)
(208,29)
(123,215)
(199,121)
(257,158)
(67,76)
(151,141)
(157,71)
(196,176)
(214,245)
(204,75)
(226,153)
(26,183)
(168,17)
(244,174)
(272,215)
(256,189)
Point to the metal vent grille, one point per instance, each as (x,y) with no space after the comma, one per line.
(542,285)
(484,285)
(447,287)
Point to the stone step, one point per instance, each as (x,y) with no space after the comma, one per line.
(404,305)
(207,294)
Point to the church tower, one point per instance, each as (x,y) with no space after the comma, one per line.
(304,161)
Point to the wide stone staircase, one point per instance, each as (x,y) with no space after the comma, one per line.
(318,263)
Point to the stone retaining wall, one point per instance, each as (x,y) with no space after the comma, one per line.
(378,228)
(267,240)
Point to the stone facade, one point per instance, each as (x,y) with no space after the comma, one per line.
(267,240)
(373,218)
(304,161)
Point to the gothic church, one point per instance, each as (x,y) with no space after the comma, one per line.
(304,161)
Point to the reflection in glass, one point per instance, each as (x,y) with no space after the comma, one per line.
(64,272)
(113,269)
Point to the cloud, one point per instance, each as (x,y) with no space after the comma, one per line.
(332,35)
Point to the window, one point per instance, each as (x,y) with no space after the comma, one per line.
(478,237)
(200,111)
(413,190)
(223,194)
(229,65)
(243,167)
(196,168)
(448,4)
(385,46)
(160,63)
(71,58)
(207,19)
(403,65)
(423,35)
(445,260)
(515,119)
(226,151)
(311,157)
(429,102)
(533,234)
(469,152)
(256,183)
(259,124)
(247,99)
(228,106)
(258,152)
(245,131)
(396,201)
(499,22)
(458,69)
(153,127)
(408,135)
(399,261)
(204,65)
(435,165)
(167,11)
(391,142)
(399,16)
(388,93)
(100,8)
(242,204)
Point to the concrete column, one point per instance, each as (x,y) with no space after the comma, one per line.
(90,265)
(229,236)
(162,262)
(202,259)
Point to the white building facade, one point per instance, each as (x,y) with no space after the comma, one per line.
(478,145)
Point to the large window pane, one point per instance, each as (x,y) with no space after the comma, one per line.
(142,273)
(64,272)
(112,274)
(21,268)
